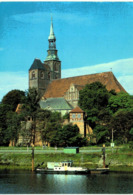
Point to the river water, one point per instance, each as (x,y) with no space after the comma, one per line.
(23,182)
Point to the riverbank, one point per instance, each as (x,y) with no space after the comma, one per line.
(118,159)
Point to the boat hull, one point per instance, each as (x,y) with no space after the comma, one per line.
(77,172)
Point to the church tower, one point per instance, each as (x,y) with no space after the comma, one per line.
(41,74)
(52,59)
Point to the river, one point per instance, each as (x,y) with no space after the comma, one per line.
(24,182)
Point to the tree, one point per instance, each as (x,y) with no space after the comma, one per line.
(3,124)
(29,110)
(94,95)
(120,101)
(122,123)
(69,136)
(93,99)
(102,134)
(49,123)
(13,98)
(13,126)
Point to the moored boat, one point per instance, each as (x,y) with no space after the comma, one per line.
(66,167)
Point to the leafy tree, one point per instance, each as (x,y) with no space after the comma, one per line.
(29,110)
(102,134)
(48,125)
(94,95)
(3,125)
(13,98)
(93,99)
(120,101)
(53,129)
(13,126)
(122,123)
(69,136)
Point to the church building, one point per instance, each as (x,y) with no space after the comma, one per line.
(62,95)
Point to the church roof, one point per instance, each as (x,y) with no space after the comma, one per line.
(77,110)
(55,103)
(37,64)
(59,87)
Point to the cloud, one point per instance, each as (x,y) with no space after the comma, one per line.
(122,69)
(1,49)
(12,80)
(41,17)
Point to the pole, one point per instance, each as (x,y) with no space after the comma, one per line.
(112,135)
(32,158)
(103,150)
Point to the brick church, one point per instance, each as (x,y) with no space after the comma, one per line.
(62,95)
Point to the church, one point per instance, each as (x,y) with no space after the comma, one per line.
(59,94)
(62,94)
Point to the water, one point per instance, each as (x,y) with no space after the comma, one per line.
(19,182)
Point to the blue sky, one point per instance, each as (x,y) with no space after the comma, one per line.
(91,37)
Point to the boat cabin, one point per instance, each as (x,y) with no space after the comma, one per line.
(66,163)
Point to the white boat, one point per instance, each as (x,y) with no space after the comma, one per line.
(66,167)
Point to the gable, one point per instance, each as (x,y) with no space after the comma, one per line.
(58,88)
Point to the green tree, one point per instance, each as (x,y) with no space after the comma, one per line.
(13,126)
(3,124)
(69,136)
(122,123)
(48,125)
(13,98)
(29,110)
(93,99)
(120,101)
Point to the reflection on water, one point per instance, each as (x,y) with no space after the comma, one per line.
(30,183)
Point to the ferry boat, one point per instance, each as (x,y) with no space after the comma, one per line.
(66,167)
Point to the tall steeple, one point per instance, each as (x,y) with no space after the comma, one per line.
(52,52)
(51,36)
(52,59)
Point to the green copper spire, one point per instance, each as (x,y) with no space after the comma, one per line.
(51,36)
(52,52)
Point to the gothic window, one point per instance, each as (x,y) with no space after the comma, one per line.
(42,74)
(33,75)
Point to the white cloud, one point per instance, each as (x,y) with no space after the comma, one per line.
(12,80)
(122,69)
(1,49)
(41,17)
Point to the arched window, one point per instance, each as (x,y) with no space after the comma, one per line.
(33,74)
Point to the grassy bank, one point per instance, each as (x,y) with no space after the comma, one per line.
(119,159)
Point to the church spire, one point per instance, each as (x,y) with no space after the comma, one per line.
(52,52)
(51,36)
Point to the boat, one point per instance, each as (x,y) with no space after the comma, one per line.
(66,167)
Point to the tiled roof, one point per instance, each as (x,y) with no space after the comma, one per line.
(77,110)
(37,64)
(59,87)
(55,103)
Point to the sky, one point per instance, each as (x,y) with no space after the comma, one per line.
(91,37)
